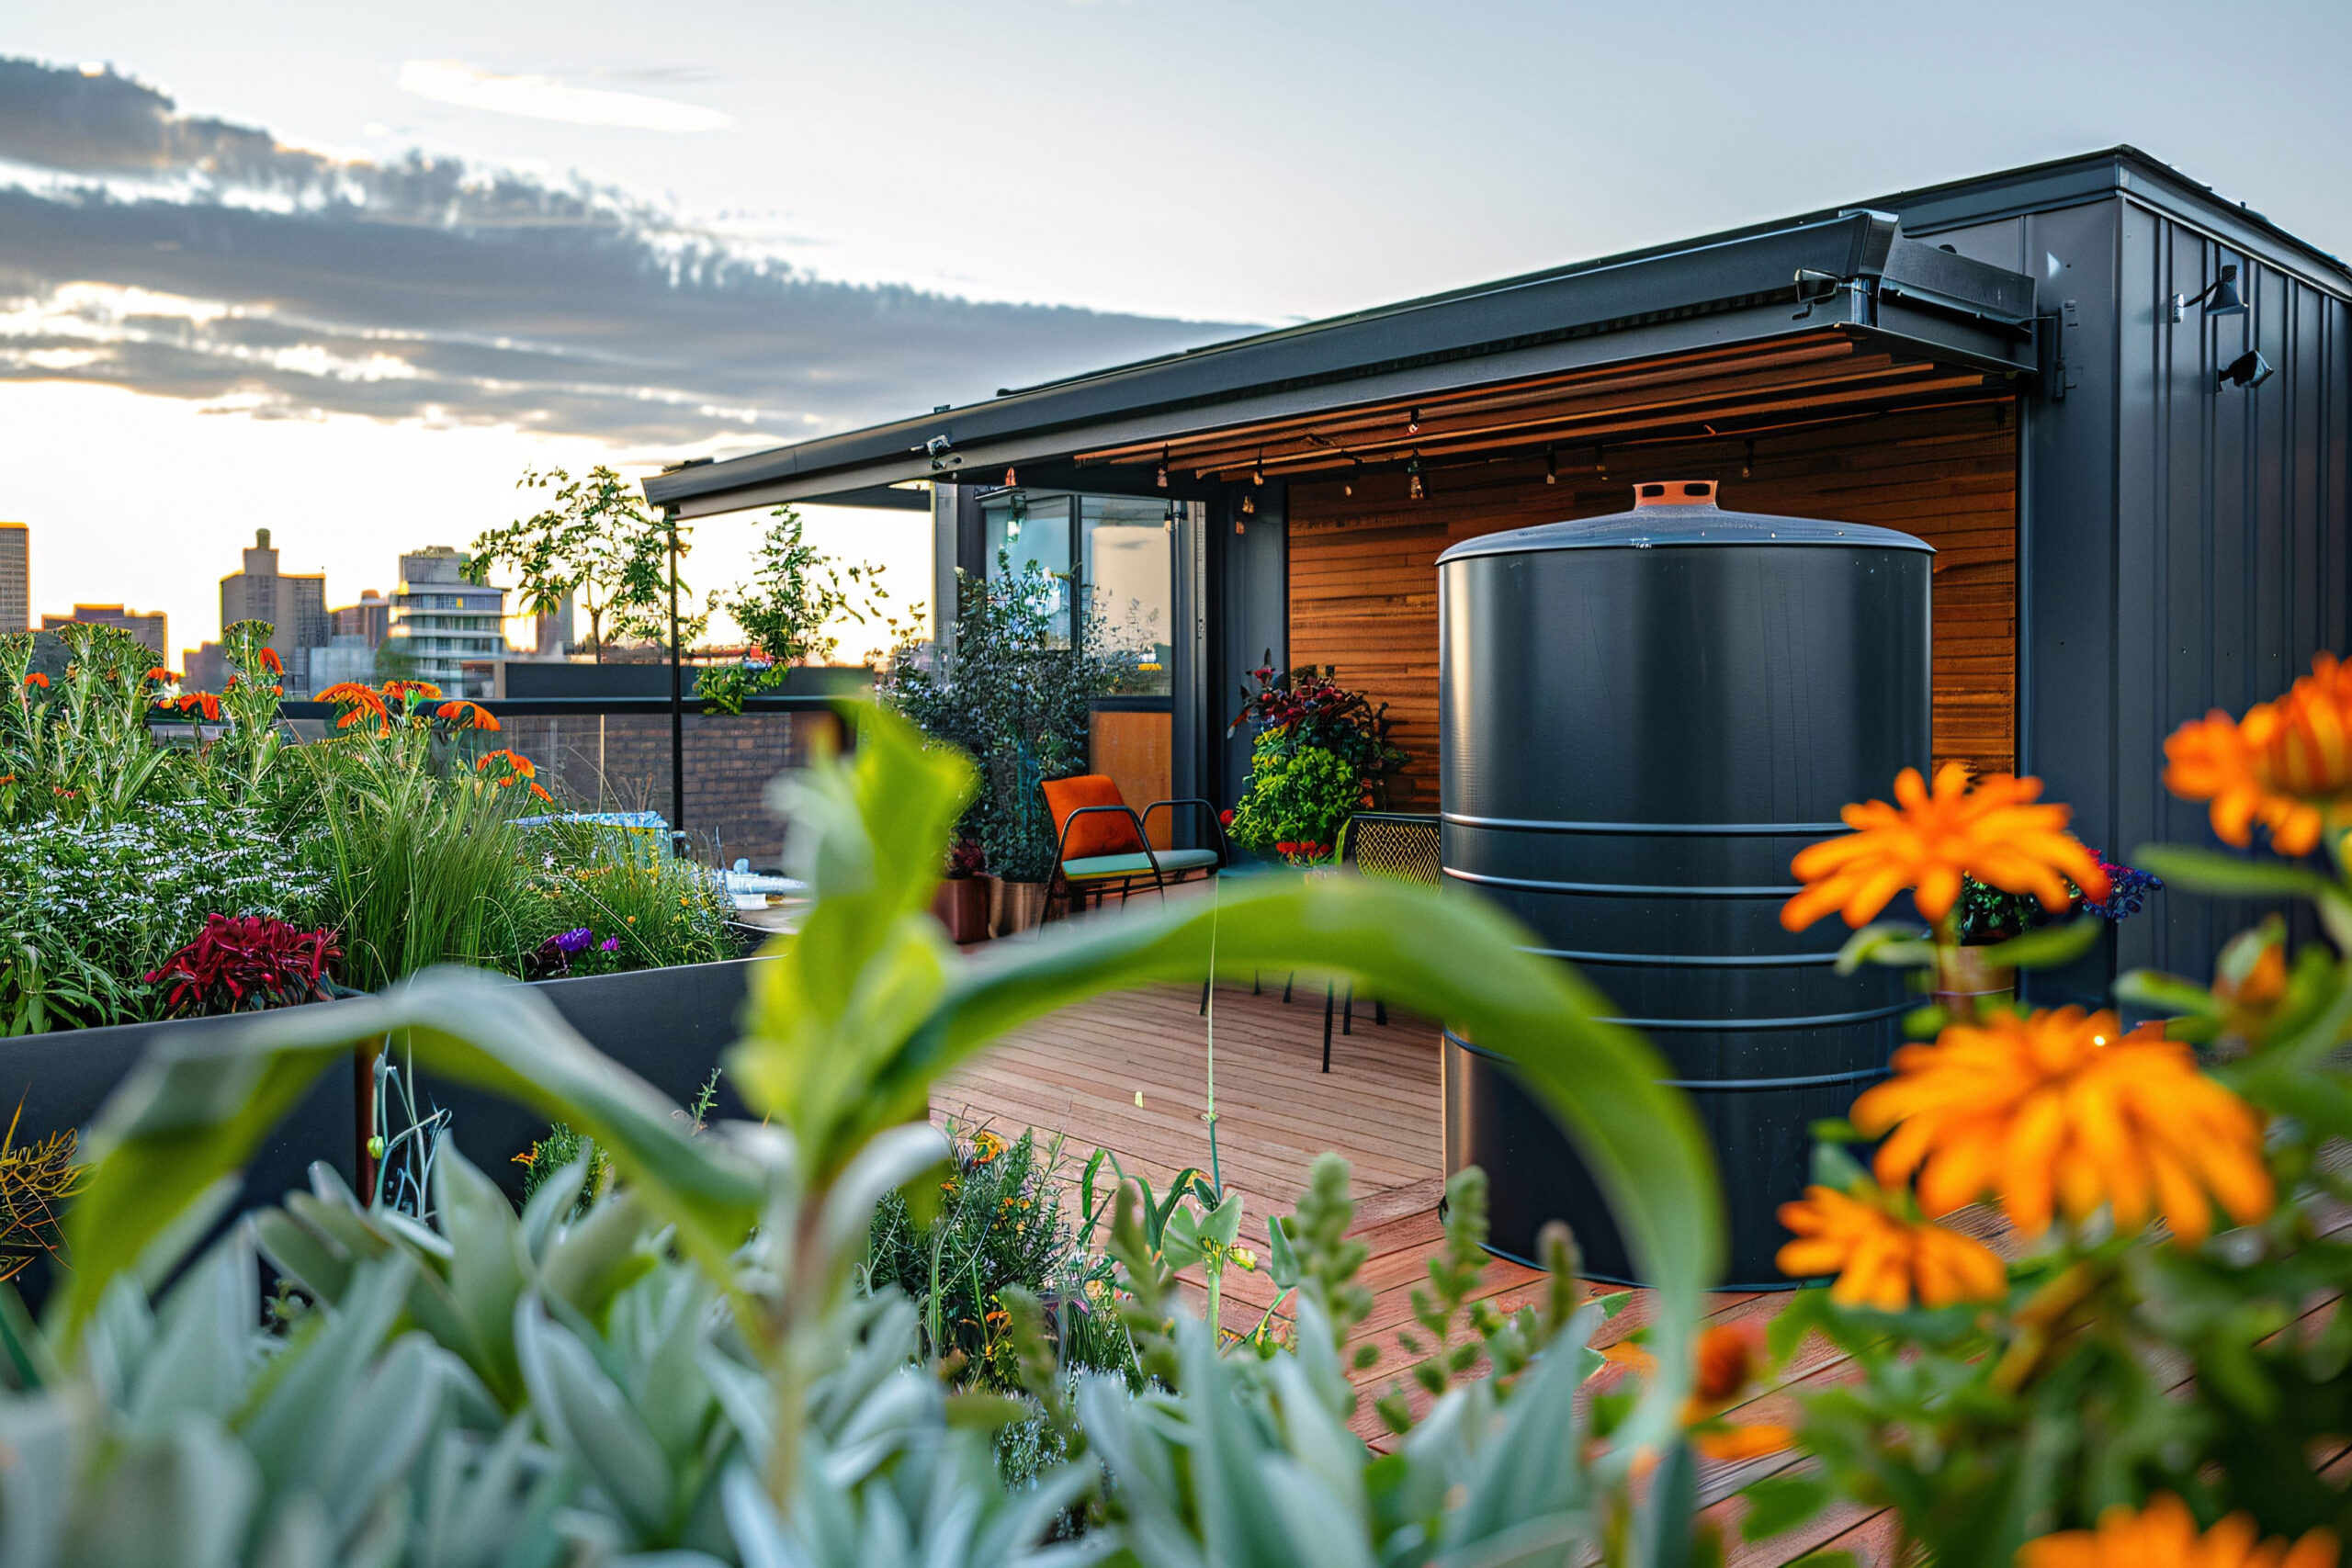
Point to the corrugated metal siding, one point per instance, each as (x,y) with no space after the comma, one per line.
(2187,546)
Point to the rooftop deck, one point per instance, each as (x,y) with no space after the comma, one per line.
(1079,1073)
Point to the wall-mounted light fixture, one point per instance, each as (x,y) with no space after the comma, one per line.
(941,450)
(2219,297)
(2248,369)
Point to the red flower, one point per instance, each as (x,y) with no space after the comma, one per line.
(271,662)
(1225,816)
(38,679)
(245,964)
(204,702)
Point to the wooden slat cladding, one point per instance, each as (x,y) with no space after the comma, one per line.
(1363,567)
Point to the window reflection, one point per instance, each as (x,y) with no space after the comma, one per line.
(1122,554)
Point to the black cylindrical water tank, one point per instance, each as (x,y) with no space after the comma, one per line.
(1642,718)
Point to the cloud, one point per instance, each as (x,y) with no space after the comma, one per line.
(543,98)
(191,257)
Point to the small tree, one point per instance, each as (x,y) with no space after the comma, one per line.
(796,590)
(598,545)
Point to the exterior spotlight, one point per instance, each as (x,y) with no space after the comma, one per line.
(2219,297)
(2248,369)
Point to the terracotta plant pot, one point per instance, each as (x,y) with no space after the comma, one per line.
(1015,906)
(962,906)
(1964,978)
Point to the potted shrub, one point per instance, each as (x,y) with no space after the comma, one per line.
(1017,698)
(1321,755)
(962,902)
(1985,917)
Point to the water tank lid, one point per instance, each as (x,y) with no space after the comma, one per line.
(1681,512)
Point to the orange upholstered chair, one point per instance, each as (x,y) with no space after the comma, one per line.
(1099,839)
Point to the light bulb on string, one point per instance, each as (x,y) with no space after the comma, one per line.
(1257,470)
(1550,467)
(1747,460)
(1413,422)
(1413,486)
(1160,477)
(1348,482)
(1168,523)
(1010,481)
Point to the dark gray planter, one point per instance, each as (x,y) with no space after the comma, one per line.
(59,1080)
(668,1026)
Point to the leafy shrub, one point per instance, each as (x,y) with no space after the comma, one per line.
(1297,801)
(1017,699)
(635,911)
(1000,1227)
(88,907)
(1306,708)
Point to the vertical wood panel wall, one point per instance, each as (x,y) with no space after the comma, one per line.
(1363,567)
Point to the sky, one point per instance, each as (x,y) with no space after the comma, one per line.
(346,272)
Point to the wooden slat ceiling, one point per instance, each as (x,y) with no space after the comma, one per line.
(1790,384)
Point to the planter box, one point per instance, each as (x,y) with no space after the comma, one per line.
(668,1026)
(962,906)
(60,1079)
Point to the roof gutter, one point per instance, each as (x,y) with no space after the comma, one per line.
(1853,270)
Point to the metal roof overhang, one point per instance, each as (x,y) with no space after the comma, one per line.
(1853,275)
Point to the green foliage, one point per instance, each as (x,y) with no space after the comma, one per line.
(1297,801)
(1000,1227)
(564,1148)
(795,593)
(641,911)
(1017,699)
(689,1368)
(596,543)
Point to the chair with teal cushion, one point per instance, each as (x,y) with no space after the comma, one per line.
(1101,842)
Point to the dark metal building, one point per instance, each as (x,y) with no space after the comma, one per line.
(2135,518)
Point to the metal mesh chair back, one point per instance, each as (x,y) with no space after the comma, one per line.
(1401,846)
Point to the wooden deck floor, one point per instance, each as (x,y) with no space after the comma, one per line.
(1079,1073)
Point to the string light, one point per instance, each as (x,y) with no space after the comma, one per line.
(1600,461)
(1160,479)
(1249,503)
(1168,523)
(1009,479)
(1348,484)
(1550,467)
(1748,461)
(1413,487)
(1257,470)
(1413,423)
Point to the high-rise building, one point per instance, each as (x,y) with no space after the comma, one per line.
(370,619)
(294,603)
(151,630)
(440,622)
(551,635)
(15,578)
(204,668)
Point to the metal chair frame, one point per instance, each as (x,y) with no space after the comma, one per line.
(1072,893)
(1346,849)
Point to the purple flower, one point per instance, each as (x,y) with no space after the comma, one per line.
(576,940)
(610,944)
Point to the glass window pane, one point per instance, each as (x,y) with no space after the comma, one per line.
(1127,562)
(1033,531)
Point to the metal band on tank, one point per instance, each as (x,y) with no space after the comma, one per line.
(1620,889)
(1684,829)
(1817,1081)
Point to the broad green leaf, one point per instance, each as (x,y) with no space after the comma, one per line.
(1780,1503)
(1896,946)
(2048,947)
(1449,958)
(1222,1224)
(2228,876)
(1180,1240)
(2163,993)
(1281,1259)
(199,1107)
(487,1268)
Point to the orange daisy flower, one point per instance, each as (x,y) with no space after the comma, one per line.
(1883,1259)
(540,790)
(271,662)
(38,679)
(403,690)
(2287,764)
(2063,1111)
(1729,1356)
(204,702)
(357,702)
(1927,839)
(160,675)
(2163,1535)
(466,715)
